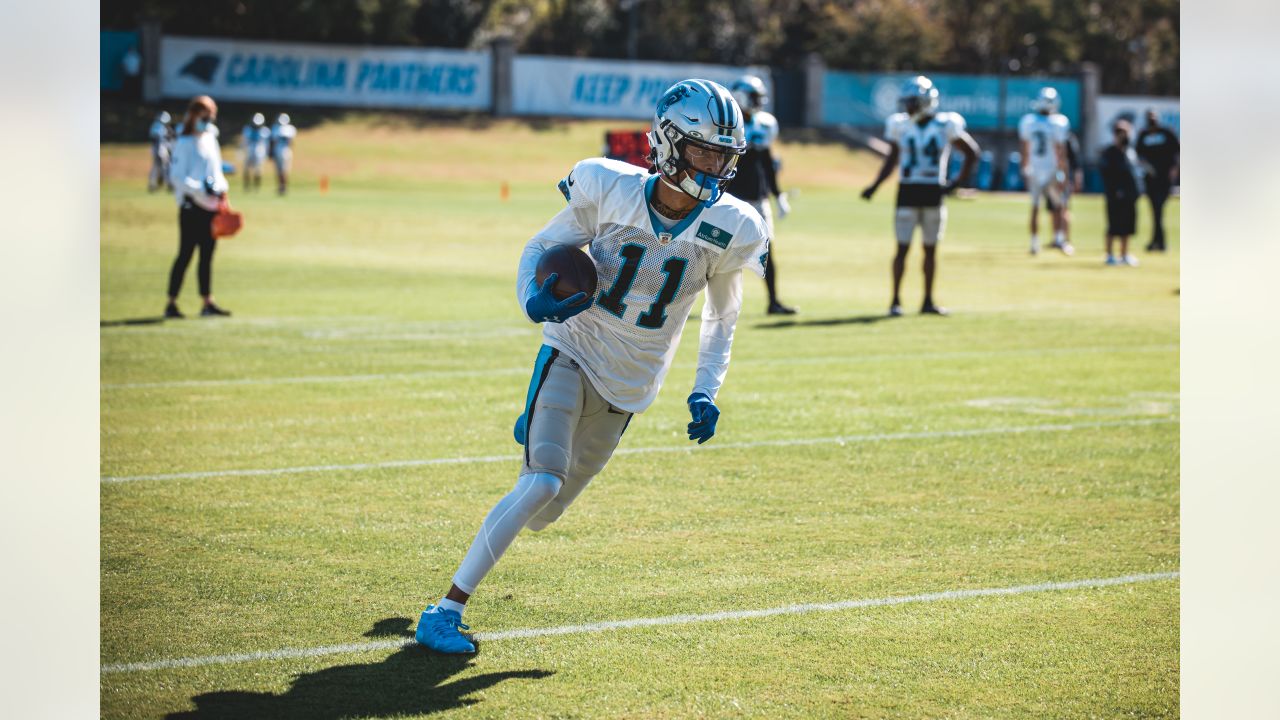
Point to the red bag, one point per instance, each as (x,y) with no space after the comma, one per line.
(227,222)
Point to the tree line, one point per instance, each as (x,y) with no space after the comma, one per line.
(1135,44)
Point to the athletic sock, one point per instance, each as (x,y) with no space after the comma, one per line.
(1035,241)
(1059,238)
(454,605)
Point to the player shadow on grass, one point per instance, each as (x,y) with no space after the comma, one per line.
(826,322)
(131,321)
(413,681)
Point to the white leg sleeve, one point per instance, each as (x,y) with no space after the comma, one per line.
(531,493)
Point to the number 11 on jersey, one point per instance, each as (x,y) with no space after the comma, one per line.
(655,316)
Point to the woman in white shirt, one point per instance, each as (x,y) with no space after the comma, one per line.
(195,170)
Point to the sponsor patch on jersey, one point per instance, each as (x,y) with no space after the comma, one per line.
(713,235)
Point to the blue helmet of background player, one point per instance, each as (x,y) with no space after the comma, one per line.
(919,98)
(698,135)
(750,92)
(1047,102)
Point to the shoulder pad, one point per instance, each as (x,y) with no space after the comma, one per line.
(953,119)
(739,217)
(591,177)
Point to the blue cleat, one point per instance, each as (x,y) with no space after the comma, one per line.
(438,630)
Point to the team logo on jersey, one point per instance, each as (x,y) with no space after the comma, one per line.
(714,235)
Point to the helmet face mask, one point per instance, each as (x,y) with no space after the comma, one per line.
(698,135)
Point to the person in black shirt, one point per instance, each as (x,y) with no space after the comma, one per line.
(1158,147)
(757,174)
(1122,182)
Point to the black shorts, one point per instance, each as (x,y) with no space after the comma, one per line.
(1122,217)
(920,195)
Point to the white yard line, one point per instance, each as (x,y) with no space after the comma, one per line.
(294,653)
(830,440)
(524,370)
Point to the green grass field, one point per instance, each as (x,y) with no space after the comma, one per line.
(1030,438)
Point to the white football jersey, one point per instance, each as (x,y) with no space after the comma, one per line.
(255,141)
(761,129)
(923,150)
(1043,133)
(649,277)
(159,132)
(283,135)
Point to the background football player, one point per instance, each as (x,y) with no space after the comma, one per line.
(757,176)
(254,140)
(282,134)
(162,137)
(657,240)
(1043,135)
(920,140)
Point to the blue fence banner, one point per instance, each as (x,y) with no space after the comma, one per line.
(581,87)
(343,75)
(1134,109)
(112,46)
(866,99)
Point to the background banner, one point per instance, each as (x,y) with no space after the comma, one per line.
(289,73)
(1134,109)
(865,99)
(575,87)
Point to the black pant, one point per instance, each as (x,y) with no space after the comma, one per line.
(1158,193)
(195,225)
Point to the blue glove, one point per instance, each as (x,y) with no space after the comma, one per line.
(544,307)
(705,415)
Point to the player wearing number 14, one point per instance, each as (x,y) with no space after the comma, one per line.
(657,240)
(920,141)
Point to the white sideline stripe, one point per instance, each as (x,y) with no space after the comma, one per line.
(373,377)
(293,653)
(836,440)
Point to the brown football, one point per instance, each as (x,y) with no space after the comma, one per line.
(577,272)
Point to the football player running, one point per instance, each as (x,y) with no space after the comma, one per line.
(255,137)
(920,140)
(1043,135)
(757,176)
(657,240)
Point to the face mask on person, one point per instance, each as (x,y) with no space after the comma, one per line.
(202,124)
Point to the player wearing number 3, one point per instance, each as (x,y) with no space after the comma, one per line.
(921,139)
(1044,134)
(657,240)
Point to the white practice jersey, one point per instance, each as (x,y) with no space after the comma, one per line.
(283,136)
(923,150)
(1043,133)
(649,278)
(255,142)
(158,133)
(761,130)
